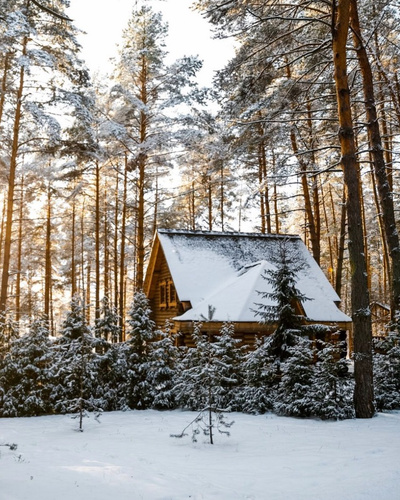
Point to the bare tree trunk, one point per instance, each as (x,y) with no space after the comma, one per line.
(363,392)
(116,230)
(19,257)
(106,251)
(73,242)
(47,277)
(312,228)
(11,185)
(97,244)
(385,194)
(4,85)
(341,246)
(222,196)
(142,162)
(122,254)
(209,202)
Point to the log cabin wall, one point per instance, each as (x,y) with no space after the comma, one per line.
(164,301)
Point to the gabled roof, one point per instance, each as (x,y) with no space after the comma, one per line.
(225,271)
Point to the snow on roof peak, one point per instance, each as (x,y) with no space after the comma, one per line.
(225,271)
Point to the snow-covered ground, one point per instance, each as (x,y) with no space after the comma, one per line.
(131,456)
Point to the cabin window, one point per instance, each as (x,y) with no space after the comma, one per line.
(172,294)
(163,294)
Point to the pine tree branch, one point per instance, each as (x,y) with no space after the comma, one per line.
(51,11)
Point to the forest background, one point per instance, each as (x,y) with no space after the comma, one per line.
(298,134)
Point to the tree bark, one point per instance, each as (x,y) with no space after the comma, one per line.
(47,277)
(361,315)
(11,185)
(97,243)
(385,194)
(315,244)
(122,255)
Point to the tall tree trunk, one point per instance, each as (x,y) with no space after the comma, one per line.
(142,162)
(116,230)
(97,244)
(106,251)
(47,266)
(341,246)
(312,228)
(222,196)
(11,185)
(2,226)
(73,242)
(19,257)
(314,187)
(122,255)
(363,392)
(385,194)
(4,85)
(209,202)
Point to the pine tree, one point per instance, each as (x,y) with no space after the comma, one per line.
(161,377)
(294,396)
(141,334)
(332,387)
(24,374)
(107,325)
(74,367)
(229,362)
(261,378)
(286,296)
(387,371)
(199,387)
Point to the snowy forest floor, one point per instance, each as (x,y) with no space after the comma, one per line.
(131,456)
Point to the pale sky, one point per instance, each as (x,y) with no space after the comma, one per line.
(189,33)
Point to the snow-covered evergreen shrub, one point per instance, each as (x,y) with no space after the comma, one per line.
(107,325)
(229,363)
(112,387)
(24,374)
(140,335)
(74,368)
(8,333)
(261,377)
(387,371)
(332,388)
(294,396)
(161,377)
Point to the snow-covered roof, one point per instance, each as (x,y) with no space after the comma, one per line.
(225,271)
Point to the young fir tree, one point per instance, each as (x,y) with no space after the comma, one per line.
(261,378)
(24,374)
(387,371)
(161,377)
(107,326)
(8,332)
(286,296)
(74,373)
(294,397)
(112,368)
(141,334)
(332,386)
(199,387)
(229,361)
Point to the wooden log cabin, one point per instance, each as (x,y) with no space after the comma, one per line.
(215,277)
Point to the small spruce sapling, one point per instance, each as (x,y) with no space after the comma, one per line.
(74,366)
(332,387)
(285,295)
(24,374)
(141,334)
(163,357)
(387,370)
(198,385)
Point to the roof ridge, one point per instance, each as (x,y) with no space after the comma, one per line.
(227,233)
